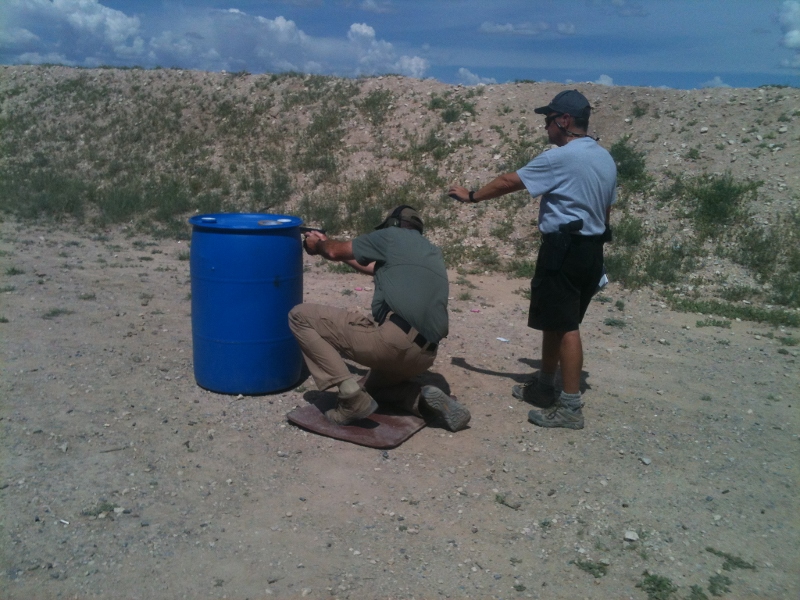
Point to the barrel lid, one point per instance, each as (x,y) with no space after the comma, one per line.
(245,221)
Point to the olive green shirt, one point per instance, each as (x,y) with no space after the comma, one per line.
(410,278)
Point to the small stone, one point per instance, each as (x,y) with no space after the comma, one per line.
(645,460)
(631,536)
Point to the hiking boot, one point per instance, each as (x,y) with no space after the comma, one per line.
(350,409)
(446,408)
(558,416)
(536,393)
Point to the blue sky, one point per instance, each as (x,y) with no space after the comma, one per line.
(675,43)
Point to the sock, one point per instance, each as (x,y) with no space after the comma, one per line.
(571,401)
(348,387)
(547,379)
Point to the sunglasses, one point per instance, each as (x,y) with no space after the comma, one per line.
(549,120)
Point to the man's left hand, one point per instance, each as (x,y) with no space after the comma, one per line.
(459,193)
(312,241)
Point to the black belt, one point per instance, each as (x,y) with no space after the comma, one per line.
(406,327)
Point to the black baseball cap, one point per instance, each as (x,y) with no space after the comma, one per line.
(568,102)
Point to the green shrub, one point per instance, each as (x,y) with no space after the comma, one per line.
(631,165)
(716,201)
(376,106)
(629,231)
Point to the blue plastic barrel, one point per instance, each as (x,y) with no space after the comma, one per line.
(247,274)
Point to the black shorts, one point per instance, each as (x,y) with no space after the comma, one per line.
(559,299)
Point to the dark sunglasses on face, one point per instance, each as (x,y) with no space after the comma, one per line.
(549,120)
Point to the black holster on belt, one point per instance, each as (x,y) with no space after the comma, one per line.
(555,246)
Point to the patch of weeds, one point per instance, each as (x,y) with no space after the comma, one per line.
(87,296)
(7,288)
(789,340)
(376,106)
(602,299)
(731,561)
(597,570)
(640,109)
(347,292)
(612,322)
(747,312)
(724,342)
(718,585)
(631,166)
(620,305)
(501,499)
(696,593)
(339,267)
(98,509)
(709,322)
(519,587)
(738,293)
(56,312)
(465,296)
(692,154)
(657,587)
(3,320)
(463,281)
(715,201)
(705,398)
(545,524)
(629,231)
(524,292)
(14,271)
(522,269)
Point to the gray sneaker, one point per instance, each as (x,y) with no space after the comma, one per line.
(454,414)
(558,416)
(533,392)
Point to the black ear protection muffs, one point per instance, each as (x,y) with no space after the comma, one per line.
(393,219)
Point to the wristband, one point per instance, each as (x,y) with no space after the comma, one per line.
(472,196)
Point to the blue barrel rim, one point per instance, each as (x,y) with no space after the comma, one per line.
(245,222)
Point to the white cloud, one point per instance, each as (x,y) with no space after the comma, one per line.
(715,83)
(790,25)
(604,80)
(468,78)
(566,28)
(525,29)
(17,36)
(376,7)
(84,32)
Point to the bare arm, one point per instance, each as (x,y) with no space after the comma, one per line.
(499,186)
(317,243)
(367,270)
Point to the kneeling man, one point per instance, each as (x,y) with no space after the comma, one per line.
(409,310)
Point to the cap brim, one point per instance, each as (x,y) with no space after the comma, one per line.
(542,110)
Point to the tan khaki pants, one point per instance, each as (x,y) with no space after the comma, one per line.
(326,334)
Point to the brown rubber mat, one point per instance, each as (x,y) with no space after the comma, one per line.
(382,429)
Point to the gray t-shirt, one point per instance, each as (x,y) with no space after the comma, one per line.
(576,181)
(410,278)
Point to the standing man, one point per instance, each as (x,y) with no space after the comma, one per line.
(409,308)
(577,182)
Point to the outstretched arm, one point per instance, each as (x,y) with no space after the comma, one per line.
(317,243)
(499,186)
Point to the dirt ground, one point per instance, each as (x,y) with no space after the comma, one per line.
(121,478)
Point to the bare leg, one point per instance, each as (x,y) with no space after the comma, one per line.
(563,347)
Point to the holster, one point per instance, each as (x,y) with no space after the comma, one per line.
(556,244)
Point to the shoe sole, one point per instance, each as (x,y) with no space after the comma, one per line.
(540,419)
(373,406)
(454,414)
